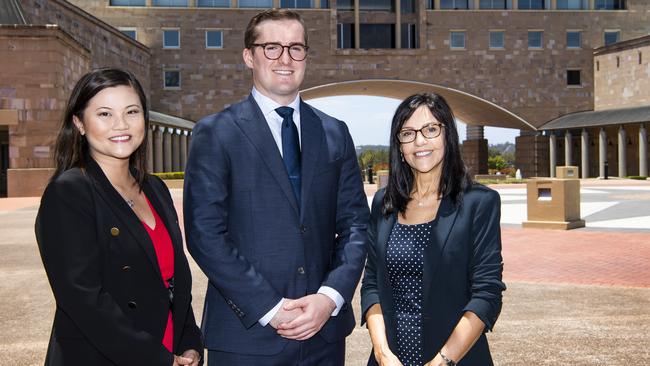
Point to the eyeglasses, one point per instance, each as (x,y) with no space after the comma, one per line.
(430,131)
(273,51)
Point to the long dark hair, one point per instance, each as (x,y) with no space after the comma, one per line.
(71,149)
(454,180)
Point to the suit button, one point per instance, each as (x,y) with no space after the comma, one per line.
(132,304)
(303,229)
(301,270)
(126,267)
(115,231)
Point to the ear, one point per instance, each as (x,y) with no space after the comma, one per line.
(80,126)
(247,54)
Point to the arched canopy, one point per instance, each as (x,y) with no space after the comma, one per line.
(468,108)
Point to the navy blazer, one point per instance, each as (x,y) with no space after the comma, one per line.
(111,303)
(462,271)
(251,237)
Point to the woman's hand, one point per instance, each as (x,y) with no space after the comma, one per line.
(190,357)
(387,358)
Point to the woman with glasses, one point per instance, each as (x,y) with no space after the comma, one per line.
(432,284)
(109,238)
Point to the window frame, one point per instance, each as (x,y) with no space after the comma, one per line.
(311,5)
(254,7)
(143,5)
(451,39)
(579,32)
(541,39)
(580,85)
(213,6)
(187,5)
(166,47)
(207,46)
(171,69)
(503,39)
(129,29)
(606,31)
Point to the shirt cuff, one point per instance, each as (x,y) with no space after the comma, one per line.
(268,316)
(335,296)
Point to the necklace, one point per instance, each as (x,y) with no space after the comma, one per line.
(419,200)
(129,202)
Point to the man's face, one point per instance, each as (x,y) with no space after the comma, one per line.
(277,79)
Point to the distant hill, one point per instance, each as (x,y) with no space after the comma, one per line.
(362,148)
(506,147)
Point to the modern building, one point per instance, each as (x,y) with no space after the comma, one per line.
(505,63)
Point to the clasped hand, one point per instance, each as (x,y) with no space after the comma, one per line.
(301,318)
(189,357)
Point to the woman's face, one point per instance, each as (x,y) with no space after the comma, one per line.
(113,123)
(423,154)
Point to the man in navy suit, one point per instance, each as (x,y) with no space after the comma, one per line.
(275,213)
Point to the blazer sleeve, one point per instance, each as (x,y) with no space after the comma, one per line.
(206,200)
(369,290)
(486,261)
(67,238)
(351,225)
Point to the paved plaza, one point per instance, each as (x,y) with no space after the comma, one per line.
(579,297)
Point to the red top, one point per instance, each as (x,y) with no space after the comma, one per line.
(162,244)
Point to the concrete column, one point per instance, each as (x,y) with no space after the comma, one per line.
(552,152)
(475,132)
(436,4)
(553,4)
(148,3)
(191,4)
(602,152)
(622,155)
(357,25)
(398,24)
(183,149)
(176,153)
(568,148)
(643,150)
(149,143)
(584,152)
(276,3)
(592,4)
(158,149)
(475,150)
(316,6)
(167,150)
(515,4)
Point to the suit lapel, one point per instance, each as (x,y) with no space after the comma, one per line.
(312,138)
(253,124)
(123,212)
(384,229)
(444,223)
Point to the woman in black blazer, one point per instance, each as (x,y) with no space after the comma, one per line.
(109,238)
(432,284)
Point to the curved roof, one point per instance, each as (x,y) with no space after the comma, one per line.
(599,118)
(468,108)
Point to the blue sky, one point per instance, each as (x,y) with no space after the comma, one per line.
(369,119)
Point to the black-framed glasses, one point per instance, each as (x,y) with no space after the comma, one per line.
(274,50)
(429,131)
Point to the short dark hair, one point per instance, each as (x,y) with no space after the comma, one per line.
(252,34)
(454,180)
(71,148)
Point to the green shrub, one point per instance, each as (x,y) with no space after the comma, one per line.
(637,177)
(170,175)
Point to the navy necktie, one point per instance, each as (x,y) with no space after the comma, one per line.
(290,148)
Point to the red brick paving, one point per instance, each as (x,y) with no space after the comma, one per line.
(576,257)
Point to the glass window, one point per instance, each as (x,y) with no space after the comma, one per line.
(409,36)
(377,35)
(611,37)
(128,2)
(457,40)
(572,4)
(171,38)
(324,4)
(496,39)
(172,79)
(430,4)
(345,4)
(255,3)
(169,2)
(381,5)
(296,4)
(573,39)
(454,4)
(213,3)
(531,4)
(610,4)
(535,39)
(129,32)
(213,39)
(408,6)
(573,78)
(345,35)
(492,4)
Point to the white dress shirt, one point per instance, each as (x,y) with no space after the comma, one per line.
(274,120)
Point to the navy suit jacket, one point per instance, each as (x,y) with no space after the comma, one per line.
(254,241)
(462,271)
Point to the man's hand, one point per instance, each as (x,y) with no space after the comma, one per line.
(190,357)
(316,308)
(284,316)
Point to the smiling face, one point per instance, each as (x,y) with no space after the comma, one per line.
(113,123)
(423,155)
(277,79)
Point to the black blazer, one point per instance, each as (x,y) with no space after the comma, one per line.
(111,303)
(462,271)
